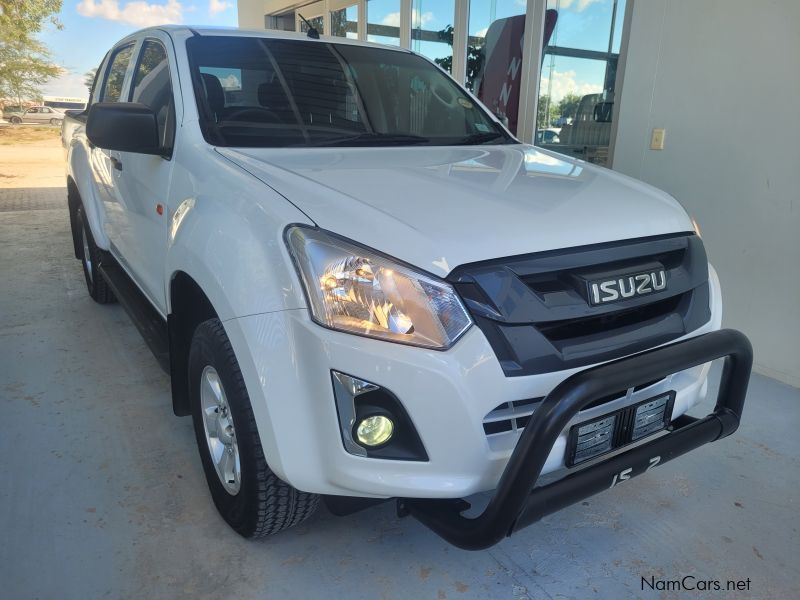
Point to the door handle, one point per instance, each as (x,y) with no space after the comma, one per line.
(116,162)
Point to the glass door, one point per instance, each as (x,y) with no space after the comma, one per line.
(578,78)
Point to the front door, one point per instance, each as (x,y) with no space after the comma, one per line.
(144,179)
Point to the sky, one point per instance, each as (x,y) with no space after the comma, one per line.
(92,27)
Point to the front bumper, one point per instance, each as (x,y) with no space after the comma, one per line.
(286,360)
(517,503)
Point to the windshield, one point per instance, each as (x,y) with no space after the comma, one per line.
(260,92)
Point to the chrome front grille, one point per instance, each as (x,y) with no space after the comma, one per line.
(512,417)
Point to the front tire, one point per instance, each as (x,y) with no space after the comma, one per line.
(16,120)
(247,494)
(96,285)
(55,121)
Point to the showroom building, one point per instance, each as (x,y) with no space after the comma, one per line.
(694,98)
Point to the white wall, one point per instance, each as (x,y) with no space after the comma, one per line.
(723,78)
(251,13)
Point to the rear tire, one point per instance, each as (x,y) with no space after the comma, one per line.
(16,120)
(247,494)
(55,121)
(90,256)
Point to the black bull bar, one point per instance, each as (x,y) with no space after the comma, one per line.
(517,504)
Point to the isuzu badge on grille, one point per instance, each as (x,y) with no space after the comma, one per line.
(629,286)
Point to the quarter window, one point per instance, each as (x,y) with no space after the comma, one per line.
(112,90)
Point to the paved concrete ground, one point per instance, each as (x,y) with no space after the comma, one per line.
(102,494)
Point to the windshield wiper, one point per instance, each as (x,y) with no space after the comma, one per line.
(480,138)
(371,139)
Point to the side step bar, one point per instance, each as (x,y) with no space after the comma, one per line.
(517,503)
(147,320)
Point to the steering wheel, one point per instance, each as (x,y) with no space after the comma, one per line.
(261,115)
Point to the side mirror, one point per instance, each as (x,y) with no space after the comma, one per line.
(123,126)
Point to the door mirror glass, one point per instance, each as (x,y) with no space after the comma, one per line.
(123,126)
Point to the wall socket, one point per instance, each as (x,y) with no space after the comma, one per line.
(657,139)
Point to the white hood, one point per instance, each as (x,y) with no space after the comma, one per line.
(440,207)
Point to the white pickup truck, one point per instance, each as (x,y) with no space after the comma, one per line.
(364,287)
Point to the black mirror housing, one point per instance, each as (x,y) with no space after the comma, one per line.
(123,126)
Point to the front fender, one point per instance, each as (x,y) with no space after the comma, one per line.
(228,237)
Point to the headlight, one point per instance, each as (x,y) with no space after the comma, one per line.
(356,290)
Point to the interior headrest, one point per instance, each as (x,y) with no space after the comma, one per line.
(214,92)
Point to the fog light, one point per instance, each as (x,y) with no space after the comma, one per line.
(375,430)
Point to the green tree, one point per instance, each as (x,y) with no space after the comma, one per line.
(475,57)
(24,69)
(568,105)
(25,63)
(20,20)
(546,113)
(88,78)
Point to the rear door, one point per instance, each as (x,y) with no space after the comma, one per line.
(144,179)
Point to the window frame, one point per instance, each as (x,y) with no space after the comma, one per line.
(112,56)
(140,44)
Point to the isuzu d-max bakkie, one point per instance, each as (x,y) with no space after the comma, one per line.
(363,287)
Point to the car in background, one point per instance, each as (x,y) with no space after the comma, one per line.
(36,114)
(547,136)
(11,109)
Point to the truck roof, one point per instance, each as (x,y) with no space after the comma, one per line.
(189,30)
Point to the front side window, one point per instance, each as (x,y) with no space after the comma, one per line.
(112,90)
(280,93)
(152,87)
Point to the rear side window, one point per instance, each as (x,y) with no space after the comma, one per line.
(112,90)
(153,88)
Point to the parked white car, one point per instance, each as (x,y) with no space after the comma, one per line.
(37,114)
(364,287)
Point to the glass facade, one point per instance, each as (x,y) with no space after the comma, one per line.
(383,22)
(494,55)
(432,30)
(481,42)
(317,23)
(344,22)
(578,78)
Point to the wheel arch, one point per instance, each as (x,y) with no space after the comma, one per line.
(189,306)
